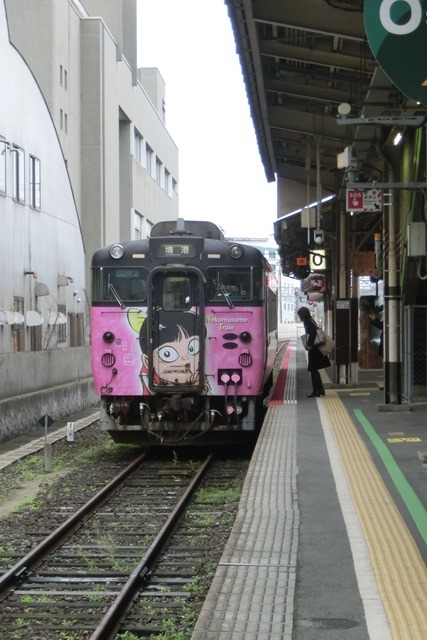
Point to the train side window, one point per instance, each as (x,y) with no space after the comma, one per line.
(176,293)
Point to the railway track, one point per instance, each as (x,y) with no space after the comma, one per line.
(94,577)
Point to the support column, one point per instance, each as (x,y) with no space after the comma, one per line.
(342,274)
(392,304)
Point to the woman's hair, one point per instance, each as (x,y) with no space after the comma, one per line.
(304,313)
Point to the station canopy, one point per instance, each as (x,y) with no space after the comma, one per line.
(316,90)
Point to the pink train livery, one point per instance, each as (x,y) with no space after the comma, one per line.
(183,336)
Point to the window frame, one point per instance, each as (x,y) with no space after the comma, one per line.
(35,182)
(18,164)
(3,165)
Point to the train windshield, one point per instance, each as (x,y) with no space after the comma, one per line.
(119,285)
(235,284)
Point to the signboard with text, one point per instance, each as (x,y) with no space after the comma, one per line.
(397,34)
(369,200)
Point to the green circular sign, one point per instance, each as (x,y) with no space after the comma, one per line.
(397,35)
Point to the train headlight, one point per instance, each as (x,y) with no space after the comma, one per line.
(245,336)
(236,251)
(117,251)
(108,337)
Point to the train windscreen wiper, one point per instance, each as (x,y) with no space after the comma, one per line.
(226,296)
(116,295)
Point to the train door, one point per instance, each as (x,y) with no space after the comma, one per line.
(177,333)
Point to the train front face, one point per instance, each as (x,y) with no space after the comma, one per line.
(182,350)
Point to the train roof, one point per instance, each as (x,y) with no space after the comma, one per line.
(181,227)
(212,235)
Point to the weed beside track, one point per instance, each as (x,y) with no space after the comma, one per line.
(82,468)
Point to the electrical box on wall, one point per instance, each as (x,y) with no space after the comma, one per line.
(416,235)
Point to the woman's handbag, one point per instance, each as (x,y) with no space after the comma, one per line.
(322,341)
(327,346)
(318,340)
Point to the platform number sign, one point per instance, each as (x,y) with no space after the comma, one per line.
(397,35)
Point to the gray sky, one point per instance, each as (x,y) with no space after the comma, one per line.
(207,114)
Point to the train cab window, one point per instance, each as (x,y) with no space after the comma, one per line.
(236,285)
(176,293)
(119,285)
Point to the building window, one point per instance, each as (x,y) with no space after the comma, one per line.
(138,222)
(35,338)
(18,156)
(142,226)
(139,148)
(76,329)
(148,226)
(18,332)
(66,122)
(158,171)
(168,182)
(61,118)
(63,77)
(3,150)
(62,328)
(149,155)
(35,188)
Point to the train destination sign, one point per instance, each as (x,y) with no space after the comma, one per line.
(397,34)
(176,250)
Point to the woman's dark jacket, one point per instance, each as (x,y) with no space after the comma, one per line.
(316,359)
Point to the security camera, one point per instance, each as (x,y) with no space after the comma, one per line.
(318,236)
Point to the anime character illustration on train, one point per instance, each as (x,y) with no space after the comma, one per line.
(183,336)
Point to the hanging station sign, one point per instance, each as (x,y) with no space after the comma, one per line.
(397,34)
(359,200)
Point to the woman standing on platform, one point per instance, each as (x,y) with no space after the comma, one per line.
(316,359)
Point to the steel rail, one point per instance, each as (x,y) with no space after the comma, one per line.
(115,615)
(30,560)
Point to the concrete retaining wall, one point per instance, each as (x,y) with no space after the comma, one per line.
(28,371)
(56,382)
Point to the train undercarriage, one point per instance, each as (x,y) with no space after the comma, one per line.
(182,419)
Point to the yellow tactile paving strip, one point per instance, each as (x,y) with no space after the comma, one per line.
(10,457)
(399,569)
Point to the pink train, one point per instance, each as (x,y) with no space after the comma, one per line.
(183,336)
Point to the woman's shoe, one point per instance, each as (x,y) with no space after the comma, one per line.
(322,393)
(314,395)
